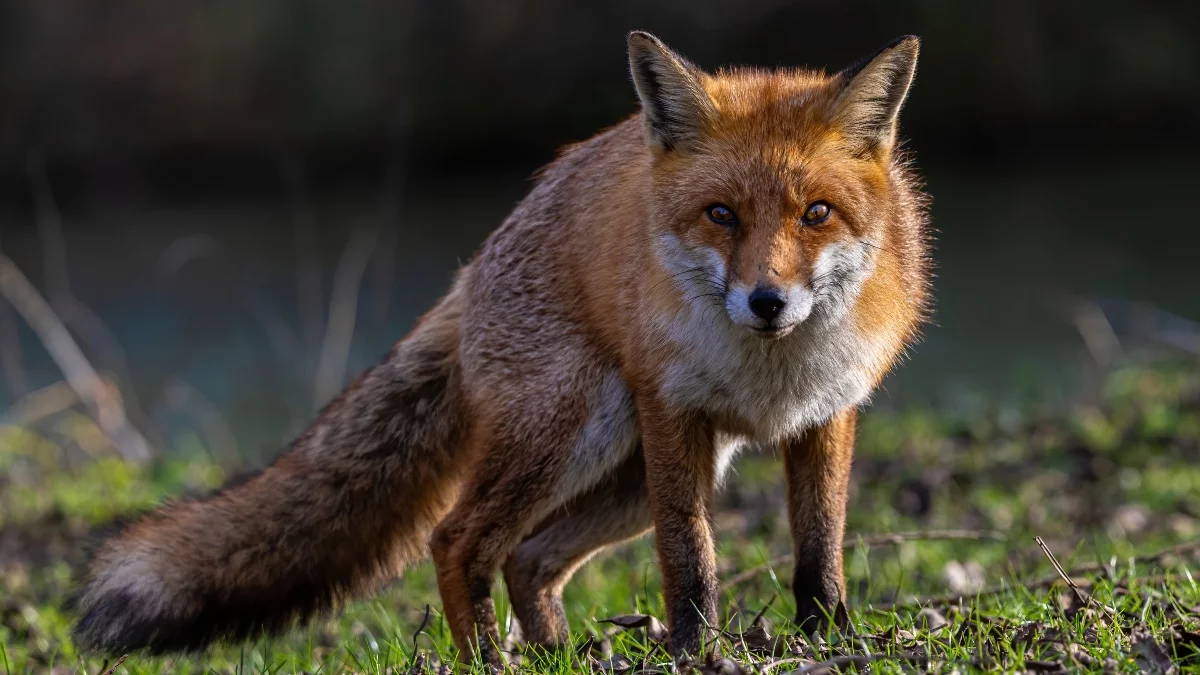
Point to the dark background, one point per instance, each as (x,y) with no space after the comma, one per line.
(191,183)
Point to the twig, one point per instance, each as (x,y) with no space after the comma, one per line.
(1037,584)
(102,400)
(45,402)
(1094,328)
(766,666)
(955,598)
(1083,598)
(72,311)
(894,539)
(424,622)
(898,538)
(860,660)
(113,667)
(758,617)
(343,310)
(1167,329)
(746,575)
(1079,595)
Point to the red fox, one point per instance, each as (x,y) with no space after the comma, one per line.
(740,262)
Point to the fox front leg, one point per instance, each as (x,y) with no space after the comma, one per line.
(680,477)
(818,474)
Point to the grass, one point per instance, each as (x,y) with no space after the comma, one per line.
(1107,484)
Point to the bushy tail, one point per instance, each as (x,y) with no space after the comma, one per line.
(351,503)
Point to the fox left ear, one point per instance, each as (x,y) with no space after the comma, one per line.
(873,91)
(674,102)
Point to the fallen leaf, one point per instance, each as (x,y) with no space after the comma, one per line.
(1186,637)
(964,578)
(722,667)
(931,619)
(1045,667)
(618,663)
(655,630)
(1025,634)
(1151,657)
(758,640)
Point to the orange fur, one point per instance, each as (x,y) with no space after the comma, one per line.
(817,466)
(594,372)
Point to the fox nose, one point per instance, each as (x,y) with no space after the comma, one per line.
(766,303)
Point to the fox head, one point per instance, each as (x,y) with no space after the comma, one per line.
(774,193)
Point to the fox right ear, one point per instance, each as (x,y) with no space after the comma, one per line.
(873,91)
(674,102)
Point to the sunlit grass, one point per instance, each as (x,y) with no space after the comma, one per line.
(1103,483)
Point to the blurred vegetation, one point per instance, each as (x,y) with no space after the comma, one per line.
(133,80)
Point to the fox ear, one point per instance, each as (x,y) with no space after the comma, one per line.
(873,91)
(674,102)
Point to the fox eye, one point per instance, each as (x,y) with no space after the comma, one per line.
(722,215)
(817,213)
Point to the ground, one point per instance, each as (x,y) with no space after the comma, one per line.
(944,572)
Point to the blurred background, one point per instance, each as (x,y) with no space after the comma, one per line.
(213,214)
(234,206)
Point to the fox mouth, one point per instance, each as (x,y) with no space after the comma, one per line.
(771,332)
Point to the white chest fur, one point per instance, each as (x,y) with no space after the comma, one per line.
(771,389)
(767,390)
